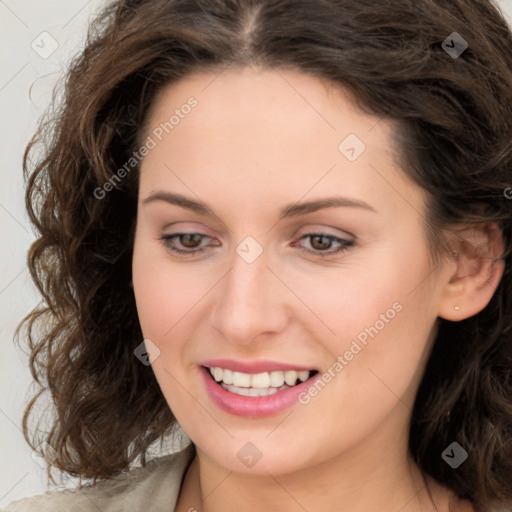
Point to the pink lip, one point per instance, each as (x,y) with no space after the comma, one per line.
(253,406)
(254,366)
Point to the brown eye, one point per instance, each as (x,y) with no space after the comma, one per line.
(321,242)
(190,241)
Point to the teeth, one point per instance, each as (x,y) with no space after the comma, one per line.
(218,374)
(290,377)
(260,381)
(227,376)
(276,379)
(303,375)
(241,380)
(253,391)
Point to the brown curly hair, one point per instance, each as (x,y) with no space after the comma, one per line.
(454,130)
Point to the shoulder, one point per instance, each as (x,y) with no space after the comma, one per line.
(153,488)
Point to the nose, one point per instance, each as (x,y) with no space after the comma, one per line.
(250,303)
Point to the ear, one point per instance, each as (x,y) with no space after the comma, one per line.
(476,274)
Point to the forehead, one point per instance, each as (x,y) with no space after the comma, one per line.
(263,99)
(257,132)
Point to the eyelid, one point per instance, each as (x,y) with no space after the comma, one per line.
(344,244)
(327,230)
(304,231)
(199,226)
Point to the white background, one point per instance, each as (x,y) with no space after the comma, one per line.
(21,23)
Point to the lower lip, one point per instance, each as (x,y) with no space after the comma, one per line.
(254,406)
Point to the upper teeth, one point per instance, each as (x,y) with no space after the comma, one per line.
(258,380)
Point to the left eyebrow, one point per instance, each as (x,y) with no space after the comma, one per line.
(296,209)
(291,210)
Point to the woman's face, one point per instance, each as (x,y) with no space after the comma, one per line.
(357,302)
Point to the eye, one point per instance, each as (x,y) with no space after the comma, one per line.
(318,241)
(187,240)
(322,241)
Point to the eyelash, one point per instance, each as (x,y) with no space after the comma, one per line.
(345,244)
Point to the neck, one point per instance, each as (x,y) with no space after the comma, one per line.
(365,478)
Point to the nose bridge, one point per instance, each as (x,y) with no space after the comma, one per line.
(249,275)
(249,302)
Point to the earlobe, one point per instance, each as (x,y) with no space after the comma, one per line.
(478,271)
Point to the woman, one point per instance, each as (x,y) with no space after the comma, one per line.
(285,227)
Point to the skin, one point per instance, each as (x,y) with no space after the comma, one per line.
(258,140)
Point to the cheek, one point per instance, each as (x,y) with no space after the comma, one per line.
(343,300)
(164,296)
(148,297)
(164,292)
(377,311)
(382,318)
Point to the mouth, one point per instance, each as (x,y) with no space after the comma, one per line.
(258,384)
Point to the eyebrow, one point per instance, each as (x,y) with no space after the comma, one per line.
(291,210)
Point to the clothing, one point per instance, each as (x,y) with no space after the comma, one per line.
(154,488)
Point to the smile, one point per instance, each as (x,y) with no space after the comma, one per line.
(256,395)
(258,384)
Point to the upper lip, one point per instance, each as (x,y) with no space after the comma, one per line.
(254,366)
